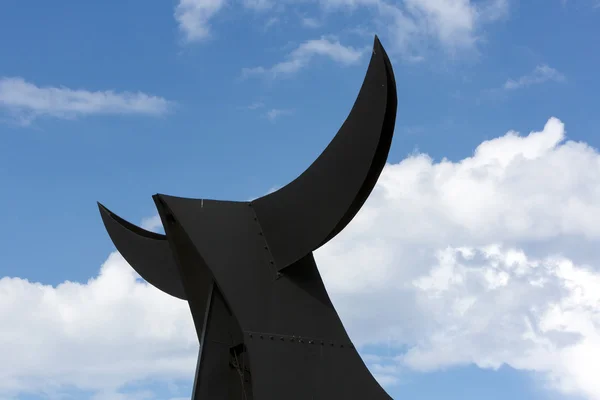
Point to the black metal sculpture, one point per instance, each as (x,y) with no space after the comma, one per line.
(266,326)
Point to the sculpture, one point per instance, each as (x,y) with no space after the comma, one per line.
(266,326)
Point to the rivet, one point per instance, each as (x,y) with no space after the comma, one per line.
(331,344)
(322,343)
(282,338)
(341,345)
(310,342)
(271,337)
(266,247)
(261,336)
(250,334)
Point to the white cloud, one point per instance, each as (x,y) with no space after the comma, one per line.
(256,105)
(153,224)
(303,54)
(27,101)
(414,25)
(193,17)
(541,74)
(95,336)
(593,3)
(310,22)
(271,22)
(489,260)
(258,5)
(274,113)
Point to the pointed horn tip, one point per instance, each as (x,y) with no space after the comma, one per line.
(102,207)
(376,42)
(378,47)
(105,212)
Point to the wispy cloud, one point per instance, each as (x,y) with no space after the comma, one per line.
(309,22)
(26,101)
(256,105)
(193,17)
(272,114)
(271,22)
(275,113)
(258,5)
(413,26)
(541,74)
(594,3)
(303,54)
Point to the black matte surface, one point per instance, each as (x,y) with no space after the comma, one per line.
(147,252)
(317,205)
(266,326)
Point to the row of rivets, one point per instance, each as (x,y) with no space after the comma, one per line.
(260,233)
(295,339)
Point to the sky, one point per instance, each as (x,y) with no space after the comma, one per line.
(473,270)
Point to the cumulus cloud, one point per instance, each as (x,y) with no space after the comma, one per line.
(541,74)
(303,54)
(545,313)
(96,336)
(27,101)
(489,260)
(193,17)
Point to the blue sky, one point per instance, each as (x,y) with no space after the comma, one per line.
(114,101)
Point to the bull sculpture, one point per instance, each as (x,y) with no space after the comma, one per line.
(266,326)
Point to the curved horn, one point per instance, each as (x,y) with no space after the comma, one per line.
(317,205)
(147,252)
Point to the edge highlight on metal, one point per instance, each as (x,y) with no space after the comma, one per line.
(266,326)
